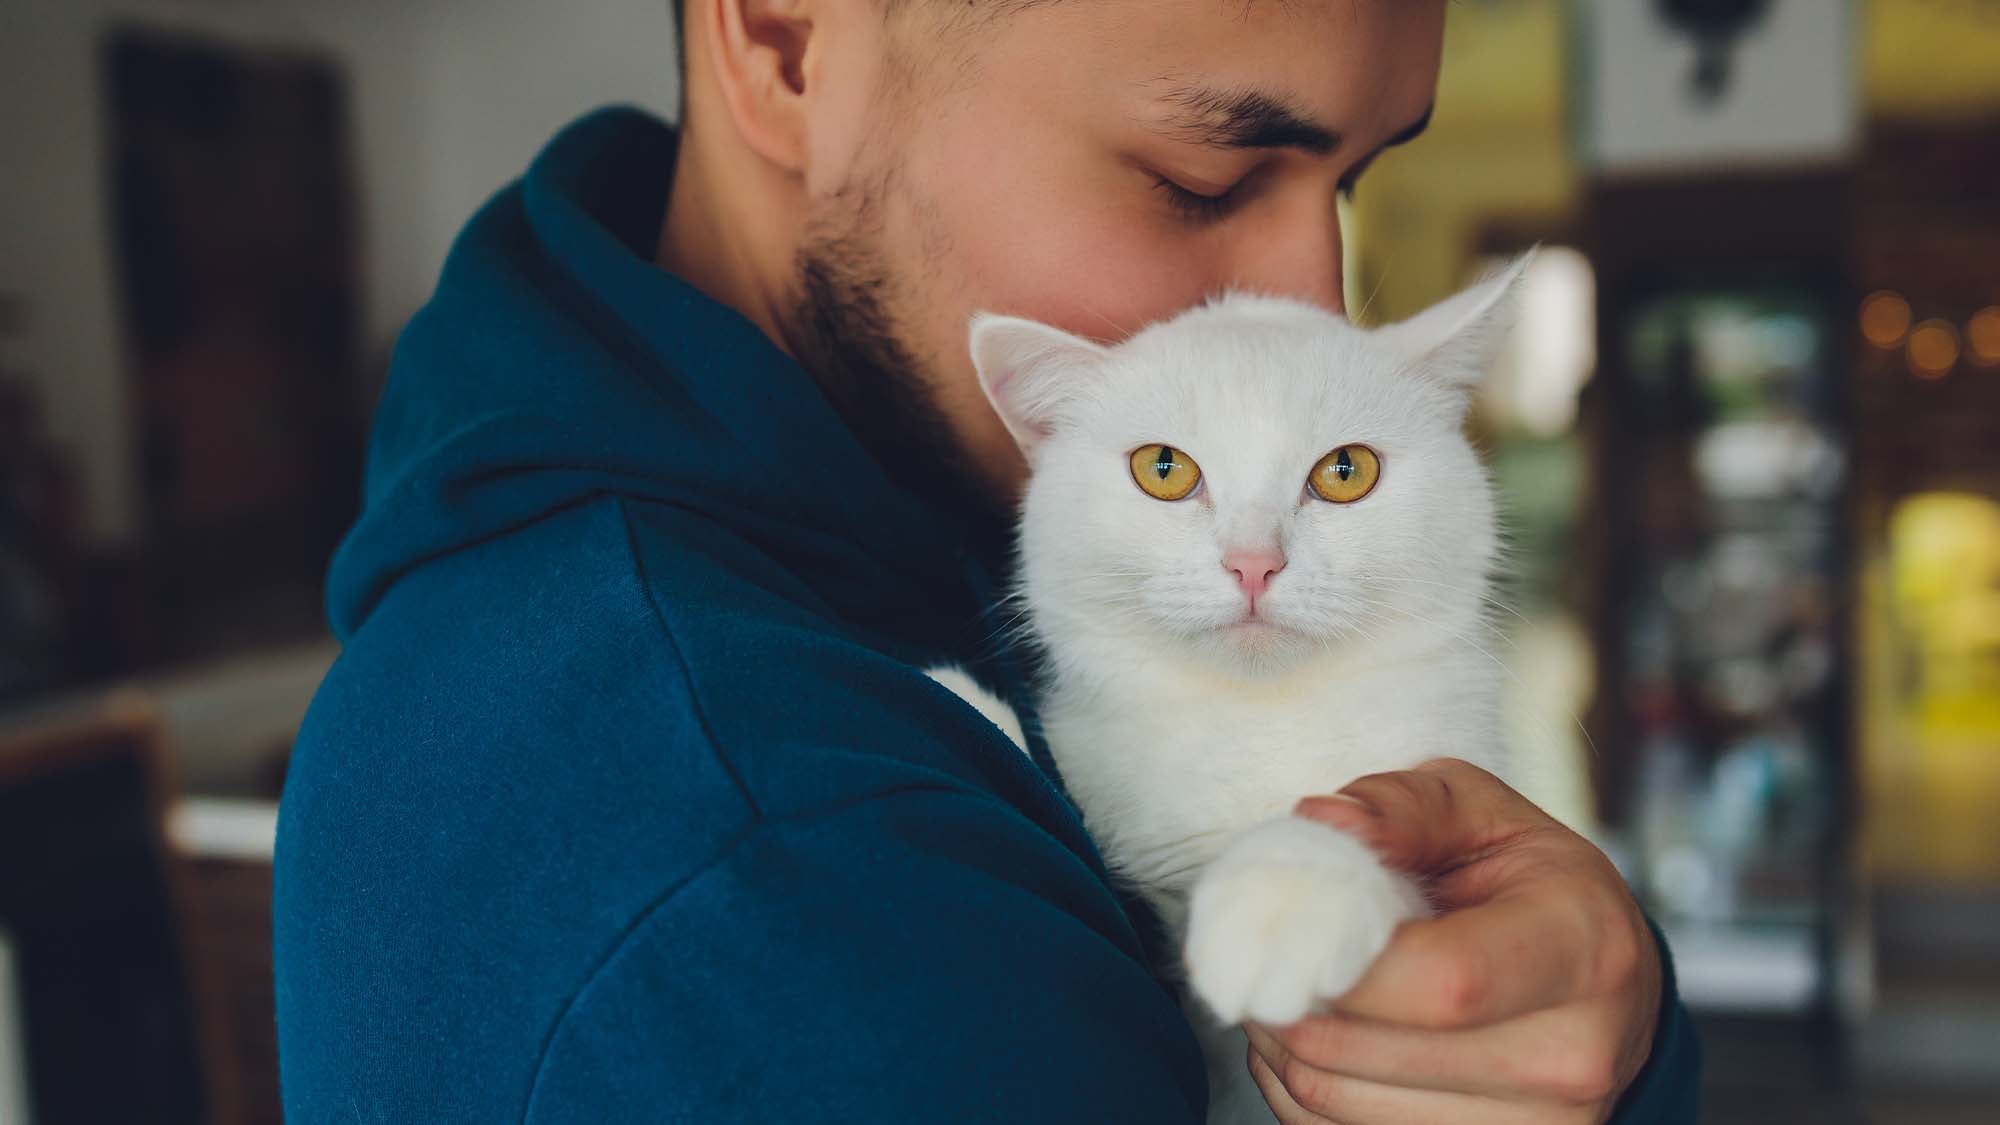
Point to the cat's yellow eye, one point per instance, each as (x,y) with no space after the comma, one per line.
(1165,473)
(1345,475)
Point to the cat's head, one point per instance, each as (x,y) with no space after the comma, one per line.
(1256,482)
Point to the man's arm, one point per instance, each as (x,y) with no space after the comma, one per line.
(924,955)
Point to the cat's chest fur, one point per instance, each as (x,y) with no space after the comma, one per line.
(1167,765)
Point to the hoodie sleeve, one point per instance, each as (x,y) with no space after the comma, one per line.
(1665,1092)
(922,955)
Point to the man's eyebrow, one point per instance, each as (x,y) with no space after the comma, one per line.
(1241,119)
(1255,119)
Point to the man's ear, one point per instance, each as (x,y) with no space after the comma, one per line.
(1457,340)
(1029,371)
(760,50)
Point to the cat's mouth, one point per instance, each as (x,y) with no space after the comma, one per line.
(1253,624)
(1256,643)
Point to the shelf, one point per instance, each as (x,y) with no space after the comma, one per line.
(1741,969)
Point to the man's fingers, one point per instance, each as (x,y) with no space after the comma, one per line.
(1479,965)
(1553,1056)
(1431,819)
(1300,1092)
(1283,1107)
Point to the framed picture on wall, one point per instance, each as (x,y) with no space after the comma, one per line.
(236,255)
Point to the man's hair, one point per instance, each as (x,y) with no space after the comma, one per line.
(963,13)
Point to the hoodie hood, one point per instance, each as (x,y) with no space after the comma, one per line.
(556,364)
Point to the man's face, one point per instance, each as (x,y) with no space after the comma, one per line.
(1094,164)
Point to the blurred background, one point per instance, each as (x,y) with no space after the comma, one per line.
(1748,439)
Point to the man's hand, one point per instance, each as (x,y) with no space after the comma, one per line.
(1531,997)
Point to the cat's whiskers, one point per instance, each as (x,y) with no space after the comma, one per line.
(1003,636)
(1492,632)
(1496,603)
(1546,730)
(1119,331)
(1369,303)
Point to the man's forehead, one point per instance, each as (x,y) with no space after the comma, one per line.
(1297,74)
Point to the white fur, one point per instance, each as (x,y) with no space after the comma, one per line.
(1291,911)
(985,702)
(1186,742)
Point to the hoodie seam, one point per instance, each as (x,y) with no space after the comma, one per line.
(743,837)
(708,734)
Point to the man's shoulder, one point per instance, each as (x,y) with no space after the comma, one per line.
(512,696)
(631,655)
(545,634)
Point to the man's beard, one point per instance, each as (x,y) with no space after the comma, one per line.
(844,332)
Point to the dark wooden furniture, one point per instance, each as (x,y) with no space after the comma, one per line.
(87,895)
(226,897)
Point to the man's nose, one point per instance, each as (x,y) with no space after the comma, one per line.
(1298,257)
(1254,568)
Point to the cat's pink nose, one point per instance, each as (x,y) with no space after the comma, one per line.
(1253,569)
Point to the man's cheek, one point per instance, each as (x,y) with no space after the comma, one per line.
(1102,287)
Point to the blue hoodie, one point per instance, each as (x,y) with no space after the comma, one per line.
(626,799)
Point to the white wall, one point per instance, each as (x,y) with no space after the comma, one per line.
(447,100)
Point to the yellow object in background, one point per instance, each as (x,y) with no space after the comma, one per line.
(1931,646)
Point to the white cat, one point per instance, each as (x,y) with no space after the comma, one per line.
(1255,550)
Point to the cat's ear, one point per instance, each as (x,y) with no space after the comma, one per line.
(1458,339)
(1028,371)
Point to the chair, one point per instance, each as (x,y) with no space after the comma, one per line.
(87,901)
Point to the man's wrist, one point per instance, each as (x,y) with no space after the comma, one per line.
(1666,1090)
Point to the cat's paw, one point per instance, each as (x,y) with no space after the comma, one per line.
(1292,913)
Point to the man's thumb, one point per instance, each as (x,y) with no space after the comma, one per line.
(1429,820)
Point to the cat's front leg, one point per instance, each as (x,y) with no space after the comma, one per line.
(1290,914)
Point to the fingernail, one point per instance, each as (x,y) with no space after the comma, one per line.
(1349,798)
(1262,1041)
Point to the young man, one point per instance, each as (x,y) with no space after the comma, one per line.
(626,802)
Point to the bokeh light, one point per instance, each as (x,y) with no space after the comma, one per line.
(1933,349)
(1982,336)
(1885,318)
